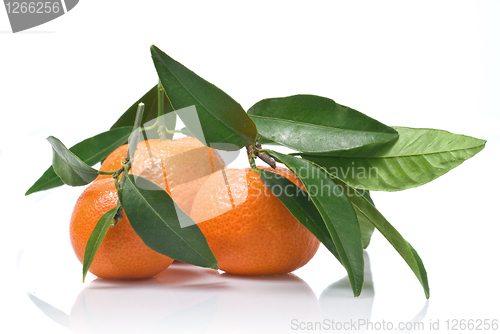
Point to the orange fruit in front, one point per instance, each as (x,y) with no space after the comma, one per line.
(122,253)
(247,227)
(179,166)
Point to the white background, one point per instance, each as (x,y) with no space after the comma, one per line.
(420,64)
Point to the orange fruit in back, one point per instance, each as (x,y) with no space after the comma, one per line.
(122,253)
(179,166)
(247,227)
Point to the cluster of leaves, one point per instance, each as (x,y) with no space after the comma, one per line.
(332,145)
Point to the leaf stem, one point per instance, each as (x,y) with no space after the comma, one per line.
(102,172)
(251,157)
(134,140)
(117,172)
(124,175)
(264,156)
(147,128)
(172,131)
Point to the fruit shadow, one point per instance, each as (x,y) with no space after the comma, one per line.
(178,275)
(151,305)
(189,299)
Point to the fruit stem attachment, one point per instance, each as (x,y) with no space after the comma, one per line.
(118,216)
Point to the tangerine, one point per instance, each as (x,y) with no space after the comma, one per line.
(250,231)
(179,166)
(122,253)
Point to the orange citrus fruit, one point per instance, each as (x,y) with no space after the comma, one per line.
(247,227)
(179,166)
(122,253)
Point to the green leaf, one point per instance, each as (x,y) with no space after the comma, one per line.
(69,167)
(96,238)
(159,222)
(150,100)
(337,212)
(417,157)
(48,180)
(310,123)
(300,206)
(366,208)
(221,118)
(365,226)
(267,141)
(91,151)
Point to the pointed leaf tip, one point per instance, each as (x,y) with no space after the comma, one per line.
(217,117)
(69,167)
(366,208)
(337,212)
(91,151)
(156,219)
(417,157)
(96,238)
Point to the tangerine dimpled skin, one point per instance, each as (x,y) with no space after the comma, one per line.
(122,253)
(179,166)
(248,228)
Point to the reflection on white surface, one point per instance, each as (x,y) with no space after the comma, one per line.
(150,305)
(192,300)
(338,303)
(189,299)
(417,319)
